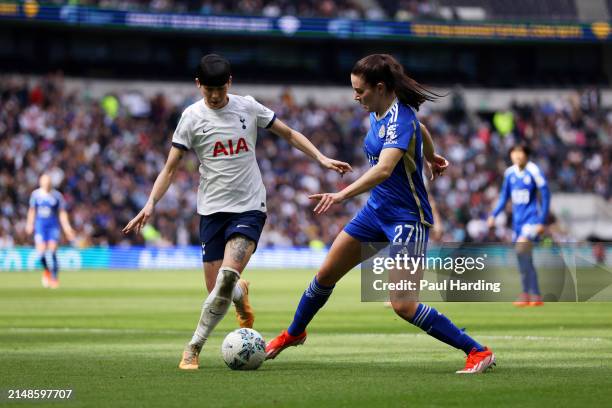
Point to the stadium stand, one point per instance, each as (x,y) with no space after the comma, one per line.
(104,153)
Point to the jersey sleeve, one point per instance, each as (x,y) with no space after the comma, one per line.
(183,132)
(537,174)
(542,185)
(61,206)
(265,117)
(399,133)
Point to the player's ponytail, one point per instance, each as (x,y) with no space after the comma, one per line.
(385,68)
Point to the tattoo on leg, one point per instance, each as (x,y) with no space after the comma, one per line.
(239,246)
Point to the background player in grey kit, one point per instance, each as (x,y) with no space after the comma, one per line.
(221,129)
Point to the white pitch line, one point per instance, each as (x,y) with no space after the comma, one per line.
(483,336)
(181,332)
(87,330)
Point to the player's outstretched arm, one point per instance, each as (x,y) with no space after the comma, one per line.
(437,163)
(544,205)
(65,223)
(162,182)
(387,161)
(301,142)
(30,221)
(503,198)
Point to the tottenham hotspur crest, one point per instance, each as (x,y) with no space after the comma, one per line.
(242,120)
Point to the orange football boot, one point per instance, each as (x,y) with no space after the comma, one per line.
(46,279)
(191,358)
(536,300)
(522,301)
(478,361)
(281,342)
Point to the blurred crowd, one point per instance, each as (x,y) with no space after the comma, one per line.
(348,9)
(345,9)
(399,10)
(104,155)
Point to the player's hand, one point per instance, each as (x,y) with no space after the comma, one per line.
(140,220)
(438,166)
(29,229)
(336,165)
(437,231)
(491,221)
(70,235)
(325,201)
(539,229)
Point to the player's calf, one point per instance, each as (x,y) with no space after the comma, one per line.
(213,310)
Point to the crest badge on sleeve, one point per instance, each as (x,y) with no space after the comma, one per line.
(391,134)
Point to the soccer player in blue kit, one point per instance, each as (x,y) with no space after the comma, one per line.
(397,211)
(46,214)
(522,181)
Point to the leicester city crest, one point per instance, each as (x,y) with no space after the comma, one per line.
(381,132)
(391,133)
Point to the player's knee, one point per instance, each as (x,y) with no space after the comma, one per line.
(523,246)
(405,309)
(226,280)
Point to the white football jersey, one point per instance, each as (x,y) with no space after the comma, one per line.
(224,141)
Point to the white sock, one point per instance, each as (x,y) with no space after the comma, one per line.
(216,305)
(237,294)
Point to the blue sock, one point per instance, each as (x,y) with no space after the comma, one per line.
(523,263)
(532,278)
(55,265)
(438,326)
(43,260)
(313,299)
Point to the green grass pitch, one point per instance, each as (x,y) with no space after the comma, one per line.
(115,338)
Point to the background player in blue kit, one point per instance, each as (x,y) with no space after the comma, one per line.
(46,214)
(522,181)
(397,211)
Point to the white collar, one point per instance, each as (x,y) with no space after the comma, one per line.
(387,111)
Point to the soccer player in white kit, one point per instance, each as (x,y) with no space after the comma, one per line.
(221,129)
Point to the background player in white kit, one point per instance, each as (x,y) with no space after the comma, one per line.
(222,130)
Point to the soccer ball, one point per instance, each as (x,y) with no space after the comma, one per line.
(243,349)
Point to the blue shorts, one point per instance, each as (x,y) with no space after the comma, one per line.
(217,228)
(368,227)
(46,234)
(525,231)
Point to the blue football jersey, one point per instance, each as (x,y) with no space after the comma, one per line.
(522,186)
(47,206)
(403,195)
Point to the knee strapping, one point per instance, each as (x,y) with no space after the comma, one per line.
(226,280)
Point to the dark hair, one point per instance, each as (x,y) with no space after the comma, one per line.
(213,70)
(385,68)
(520,146)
